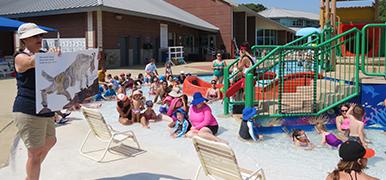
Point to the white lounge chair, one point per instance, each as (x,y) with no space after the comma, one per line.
(218,160)
(103,132)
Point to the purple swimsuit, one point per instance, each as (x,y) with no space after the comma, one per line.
(332,140)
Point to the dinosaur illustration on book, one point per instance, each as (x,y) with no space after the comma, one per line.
(77,71)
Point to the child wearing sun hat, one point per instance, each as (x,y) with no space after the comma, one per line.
(248,127)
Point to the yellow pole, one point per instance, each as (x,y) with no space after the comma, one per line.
(327,14)
(322,11)
(333,14)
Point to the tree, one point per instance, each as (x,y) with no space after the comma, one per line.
(382,10)
(255,7)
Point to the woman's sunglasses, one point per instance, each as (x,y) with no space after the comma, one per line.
(38,36)
(345,110)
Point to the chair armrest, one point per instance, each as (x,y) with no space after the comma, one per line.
(253,173)
(122,132)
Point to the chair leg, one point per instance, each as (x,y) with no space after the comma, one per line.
(197,172)
(106,149)
(84,142)
(135,140)
(82,152)
(132,136)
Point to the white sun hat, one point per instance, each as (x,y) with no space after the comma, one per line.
(27,30)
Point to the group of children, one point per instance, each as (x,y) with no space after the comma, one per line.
(166,90)
(350,126)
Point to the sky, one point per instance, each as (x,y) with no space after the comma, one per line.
(302,5)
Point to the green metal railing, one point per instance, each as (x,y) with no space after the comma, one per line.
(314,76)
(260,51)
(374,50)
(303,87)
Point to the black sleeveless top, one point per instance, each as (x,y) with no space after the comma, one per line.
(25,100)
(124,110)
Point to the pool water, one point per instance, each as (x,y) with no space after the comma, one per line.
(277,155)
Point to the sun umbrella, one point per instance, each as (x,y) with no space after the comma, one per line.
(7,24)
(306,31)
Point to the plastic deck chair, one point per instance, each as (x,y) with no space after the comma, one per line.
(103,132)
(218,160)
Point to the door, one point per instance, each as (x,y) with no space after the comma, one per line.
(135,46)
(124,54)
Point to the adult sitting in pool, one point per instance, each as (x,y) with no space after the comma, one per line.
(213,93)
(342,121)
(204,124)
(124,109)
(161,91)
(353,162)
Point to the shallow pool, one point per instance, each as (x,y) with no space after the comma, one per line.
(277,155)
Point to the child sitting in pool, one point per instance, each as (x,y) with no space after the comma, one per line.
(138,105)
(148,115)
(182,124)
(154,85)
(300,138)
(327,137)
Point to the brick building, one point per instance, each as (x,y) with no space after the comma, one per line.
(130,31)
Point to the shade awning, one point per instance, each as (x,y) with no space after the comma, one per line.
(306,31)
(7,24)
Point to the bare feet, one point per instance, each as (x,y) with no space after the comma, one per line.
(146,126)
(125,121)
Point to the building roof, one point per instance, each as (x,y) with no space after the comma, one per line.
(267,22)
(231,2)
(285,13)
(356,3)
(155,9)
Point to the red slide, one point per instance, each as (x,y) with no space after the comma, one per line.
(235,87)
(194,84)
(240,84)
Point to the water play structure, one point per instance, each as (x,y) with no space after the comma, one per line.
(314,74)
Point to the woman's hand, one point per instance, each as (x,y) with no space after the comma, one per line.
(57,51)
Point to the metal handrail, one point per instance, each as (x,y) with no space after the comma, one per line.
(363,50)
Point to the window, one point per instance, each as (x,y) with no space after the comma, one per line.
(266,37)
(297,23)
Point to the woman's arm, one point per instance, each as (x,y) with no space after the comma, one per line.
(24,62)
(338,122)
(207,93)
(120,112)
(218,93)
(241,64)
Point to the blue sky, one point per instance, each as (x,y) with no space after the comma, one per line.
(303,5)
